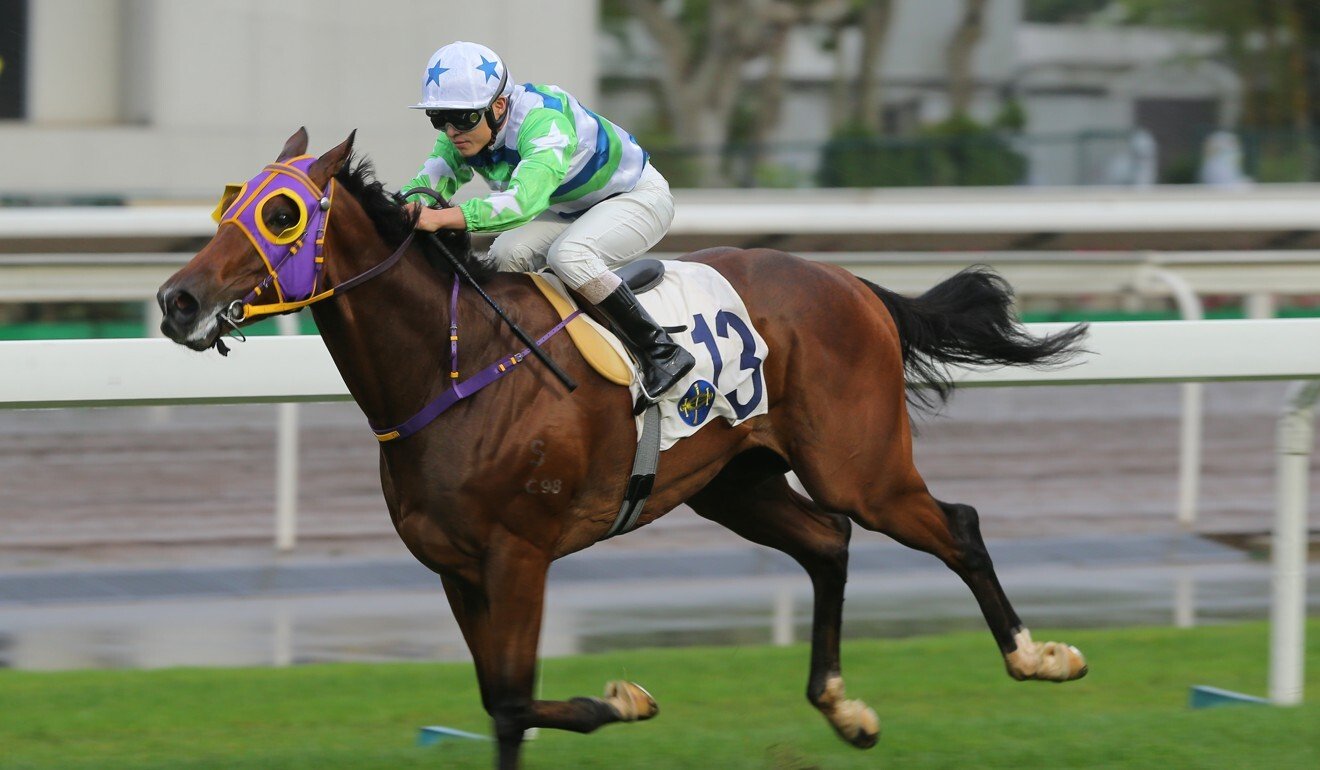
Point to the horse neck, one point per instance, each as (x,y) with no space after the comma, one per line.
(389,336)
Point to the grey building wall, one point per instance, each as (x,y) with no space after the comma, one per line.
(1084,89)
(172,98)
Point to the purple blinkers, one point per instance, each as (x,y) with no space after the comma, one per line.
(290,250)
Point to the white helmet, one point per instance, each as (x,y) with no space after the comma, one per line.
(462,76)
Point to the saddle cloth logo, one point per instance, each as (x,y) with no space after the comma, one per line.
(694,406)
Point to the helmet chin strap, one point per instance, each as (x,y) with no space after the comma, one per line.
(496,123)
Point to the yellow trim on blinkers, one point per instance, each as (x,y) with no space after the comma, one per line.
(232,193)
(290,233)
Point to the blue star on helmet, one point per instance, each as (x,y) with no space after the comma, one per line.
(488,67)
(433,74)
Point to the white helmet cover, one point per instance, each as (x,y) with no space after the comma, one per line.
(461,76)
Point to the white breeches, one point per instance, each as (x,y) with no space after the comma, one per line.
(608,235)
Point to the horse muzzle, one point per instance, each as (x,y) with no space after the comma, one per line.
(186,319)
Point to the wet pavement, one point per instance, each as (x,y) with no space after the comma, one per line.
(142,538)
(378,610)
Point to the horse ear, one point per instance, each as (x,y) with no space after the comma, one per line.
(295,146)
(330,163)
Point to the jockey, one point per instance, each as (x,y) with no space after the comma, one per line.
(570,190)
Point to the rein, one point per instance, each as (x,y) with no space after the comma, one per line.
(240,309)
(457,391)
(460,270)
(295,279)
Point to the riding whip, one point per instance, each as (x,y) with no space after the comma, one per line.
(462,271)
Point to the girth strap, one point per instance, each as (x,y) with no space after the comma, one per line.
(642,480)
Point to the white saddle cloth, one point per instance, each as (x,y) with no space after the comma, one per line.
(706,316)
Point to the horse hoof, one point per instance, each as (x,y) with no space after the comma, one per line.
(631,701)
(854,721)
(862,727)
(1047,661)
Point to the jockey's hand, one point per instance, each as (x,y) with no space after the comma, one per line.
(431,220)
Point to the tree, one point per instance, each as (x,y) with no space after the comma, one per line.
(708,48)
(1063,11)
(857,108)
(958,56)
(1273,44)
(705,46)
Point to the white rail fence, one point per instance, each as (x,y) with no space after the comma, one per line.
(146,372)
(950,211)
(1184,276)
(1257,275)
(1265,215)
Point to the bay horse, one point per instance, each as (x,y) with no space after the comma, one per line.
(458,493)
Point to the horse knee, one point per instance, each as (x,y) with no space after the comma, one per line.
(842,527)
(511,717)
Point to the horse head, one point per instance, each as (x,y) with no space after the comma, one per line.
(269,253)
(266,255)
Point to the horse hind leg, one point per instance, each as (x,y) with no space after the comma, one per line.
(952,532)
(900,506)
(761,507)
(1024,658)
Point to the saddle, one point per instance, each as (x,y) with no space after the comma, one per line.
(600,352)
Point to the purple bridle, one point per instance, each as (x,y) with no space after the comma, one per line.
(293,258)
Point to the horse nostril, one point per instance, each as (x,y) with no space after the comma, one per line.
(180,306)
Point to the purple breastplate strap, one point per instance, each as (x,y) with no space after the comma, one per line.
(457,391)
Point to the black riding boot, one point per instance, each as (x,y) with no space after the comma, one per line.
(661,360)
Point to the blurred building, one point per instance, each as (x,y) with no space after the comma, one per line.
(172,98)
(1092,96)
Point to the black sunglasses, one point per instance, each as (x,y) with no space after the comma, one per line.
(462,120)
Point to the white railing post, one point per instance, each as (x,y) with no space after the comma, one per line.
(1288,608)
(782,625)
(286,462)
(1184,599)
(1258,305)
(1189,442)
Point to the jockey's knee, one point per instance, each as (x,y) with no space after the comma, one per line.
(576,262)
(512,255)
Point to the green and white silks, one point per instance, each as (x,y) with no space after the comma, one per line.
(552,154)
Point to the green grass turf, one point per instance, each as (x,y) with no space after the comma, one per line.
(944,702)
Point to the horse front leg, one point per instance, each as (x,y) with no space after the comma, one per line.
(500,617)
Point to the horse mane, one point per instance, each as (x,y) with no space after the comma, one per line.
(393,222)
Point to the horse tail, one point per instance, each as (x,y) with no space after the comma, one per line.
(967,319)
